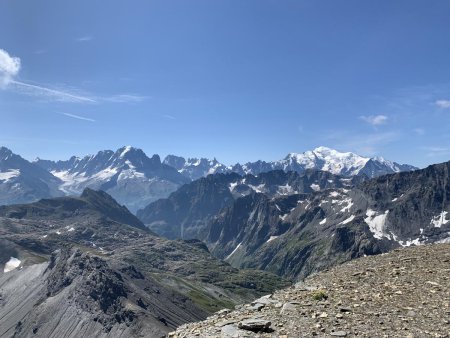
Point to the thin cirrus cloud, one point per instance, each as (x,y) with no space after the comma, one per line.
(124,98)
(78,117)
(86,38)
(443,103)
(9,70)
(375,120)
(49,93)
(170,117)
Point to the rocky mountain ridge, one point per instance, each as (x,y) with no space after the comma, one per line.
(135,180)
(103,273)
(186,212)
(404,293)
(127,174)
(307,230)
(22,181)
(304,234)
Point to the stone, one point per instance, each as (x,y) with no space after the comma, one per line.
(231,331)
(265,300)
(338,334)
(256,307)
(255,325)
(224,322)
(223,312)
(288,307)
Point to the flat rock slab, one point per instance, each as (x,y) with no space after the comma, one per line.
(255,325)
(256,307)
(288,307)
(266,300)
(231,331)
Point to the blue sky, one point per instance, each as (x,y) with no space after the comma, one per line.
(236,80)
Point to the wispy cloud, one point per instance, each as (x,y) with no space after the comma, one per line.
(443,103)
(9,71)
(50,93)
(78,117)
(170,117)
(374,120)
(85,38)
(124,98)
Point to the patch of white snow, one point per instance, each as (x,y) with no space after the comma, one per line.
(271,238)
(440,220)
(377,223)
(12,264)
(232,253)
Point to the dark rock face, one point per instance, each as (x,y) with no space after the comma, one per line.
(186,212)
(87,266)
(293,225)
(305,234)
(415,200)
(22,181)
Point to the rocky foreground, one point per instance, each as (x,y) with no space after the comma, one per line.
(405,293)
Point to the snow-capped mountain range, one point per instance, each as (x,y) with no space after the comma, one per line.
(22,181)
(135,180)
(127,174)
(195,168)
(321,158)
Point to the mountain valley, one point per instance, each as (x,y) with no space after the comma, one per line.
(89,258)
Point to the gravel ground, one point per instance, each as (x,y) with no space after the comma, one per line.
(405,293)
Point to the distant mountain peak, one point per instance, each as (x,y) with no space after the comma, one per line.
(5,153)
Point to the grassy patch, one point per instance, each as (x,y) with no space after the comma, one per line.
(319,295)
(209,304)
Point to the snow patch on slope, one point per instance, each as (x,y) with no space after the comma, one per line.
(440,219)
(234,251)
(12,264)
(7,175)
(271,238)
(348,220)
(377,223)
